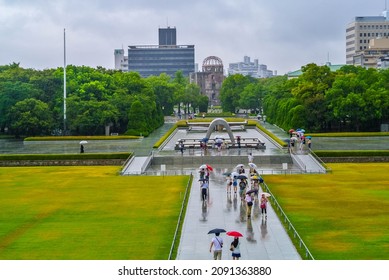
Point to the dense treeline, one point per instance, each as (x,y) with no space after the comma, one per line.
(350,99)
(31,101)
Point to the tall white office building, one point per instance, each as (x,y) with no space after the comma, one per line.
(361,31)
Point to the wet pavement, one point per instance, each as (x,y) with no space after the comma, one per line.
(263,238)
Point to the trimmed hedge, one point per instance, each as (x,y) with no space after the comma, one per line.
(348,134)
(70,138)
(268,133)
(181,123)
(64,156)
(351,153)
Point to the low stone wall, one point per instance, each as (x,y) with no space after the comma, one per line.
(354,159)
(88,162)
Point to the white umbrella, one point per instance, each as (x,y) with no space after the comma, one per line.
(234,174)
(204,166)
(219,140)
(239,166)
(266,194)
(252,165)
(83,142)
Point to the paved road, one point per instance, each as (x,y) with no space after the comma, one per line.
(264,239)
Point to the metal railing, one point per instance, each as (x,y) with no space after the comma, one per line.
(290,226)
(329,170)
(180,217)
(299,161)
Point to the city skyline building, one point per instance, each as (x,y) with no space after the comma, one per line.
(248,68)
(153,60)
(359,34)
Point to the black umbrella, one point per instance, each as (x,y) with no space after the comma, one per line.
(252,191)
(216,230)
(240,177)
(227,173)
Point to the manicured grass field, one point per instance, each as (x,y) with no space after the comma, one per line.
(88,213)
(340,216)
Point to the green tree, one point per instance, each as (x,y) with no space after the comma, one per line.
(231,90)
(30,117)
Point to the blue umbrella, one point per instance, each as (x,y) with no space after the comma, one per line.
(205,139)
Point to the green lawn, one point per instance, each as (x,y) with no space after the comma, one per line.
(88,213)
(92,213)
(340,216)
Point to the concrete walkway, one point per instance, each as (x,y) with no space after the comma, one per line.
(263,239)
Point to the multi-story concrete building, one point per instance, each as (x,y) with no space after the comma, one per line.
(371,57)
(121,60)
(152,60)
(248,68)
(363,29)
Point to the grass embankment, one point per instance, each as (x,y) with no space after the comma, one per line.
(87,213)
(340,216)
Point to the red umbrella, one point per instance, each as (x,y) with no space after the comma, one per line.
(209,167)
(234,234)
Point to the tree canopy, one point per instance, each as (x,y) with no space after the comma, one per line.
(350,99)
(31,101)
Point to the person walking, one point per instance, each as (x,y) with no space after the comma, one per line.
(249,201)
(263,206)
(202,174)
(309,143)
(242,188)
(217,244)
(229,184)
(204,190)
(251,158)
(235,248)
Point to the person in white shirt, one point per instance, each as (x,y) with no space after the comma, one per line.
(217,243)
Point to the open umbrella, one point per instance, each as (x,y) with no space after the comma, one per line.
(241,176)
(205,140)
(234,233)
(309,137)
(234,174)
(209,167)
(83,142)
(239,166)
(291,130)
(219,140)
(266,194)
(203,166)
(252,165)
(216,230)
(226,173)
(255,177)
(251,191)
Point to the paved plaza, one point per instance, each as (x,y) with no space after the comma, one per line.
(263,239)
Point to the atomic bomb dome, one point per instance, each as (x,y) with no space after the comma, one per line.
(212,64)
(210,79)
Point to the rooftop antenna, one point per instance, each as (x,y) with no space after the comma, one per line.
(167,22)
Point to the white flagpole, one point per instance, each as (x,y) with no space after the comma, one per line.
(64,82)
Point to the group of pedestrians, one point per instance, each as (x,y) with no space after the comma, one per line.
(248,187)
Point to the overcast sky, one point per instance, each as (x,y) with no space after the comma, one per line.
(283,34)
